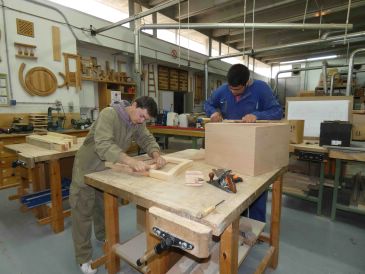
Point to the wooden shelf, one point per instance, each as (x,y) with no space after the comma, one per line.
(132,250)
(26,56)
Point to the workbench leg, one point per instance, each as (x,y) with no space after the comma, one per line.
(228,253)
(320,192)
(277,189)
(195,142)
(56,196)
(39,184)
(335,188)
(111,232)
(163,262)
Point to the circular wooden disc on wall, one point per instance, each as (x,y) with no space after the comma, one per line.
(41,81)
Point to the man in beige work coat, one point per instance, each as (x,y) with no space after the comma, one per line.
(109,138)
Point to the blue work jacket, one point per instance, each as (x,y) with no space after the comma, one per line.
(257,99)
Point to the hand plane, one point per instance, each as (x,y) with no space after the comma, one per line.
(226,180)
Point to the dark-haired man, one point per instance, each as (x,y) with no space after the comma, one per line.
(109,138)
(246,100)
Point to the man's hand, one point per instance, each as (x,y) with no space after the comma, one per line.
(133,163)
(137,165)
(158,160)
(249,118)
(216,117)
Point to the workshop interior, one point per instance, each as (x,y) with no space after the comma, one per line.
(64,65)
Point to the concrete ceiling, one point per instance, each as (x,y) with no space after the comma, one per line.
(272,11)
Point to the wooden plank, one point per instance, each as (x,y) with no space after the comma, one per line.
(56,43)
(228,254)
(63,136)
(47,142)
(132,250)
(200,236)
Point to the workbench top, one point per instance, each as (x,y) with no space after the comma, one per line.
(33,154)
(186,201)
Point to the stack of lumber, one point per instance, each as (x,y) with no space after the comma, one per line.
(52,141)
(39,121)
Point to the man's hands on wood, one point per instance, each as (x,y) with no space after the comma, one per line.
(216,117)
(249,118)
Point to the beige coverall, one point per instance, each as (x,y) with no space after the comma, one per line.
(108,137)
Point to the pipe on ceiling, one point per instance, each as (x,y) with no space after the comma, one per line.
(297,44)
(351,66)
(138,15)
(247,25)
(137,30)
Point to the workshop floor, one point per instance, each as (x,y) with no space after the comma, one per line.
(308,243)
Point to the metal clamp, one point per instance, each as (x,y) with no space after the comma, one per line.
(17,163)
(175,241)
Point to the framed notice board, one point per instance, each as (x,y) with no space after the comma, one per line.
(314,110)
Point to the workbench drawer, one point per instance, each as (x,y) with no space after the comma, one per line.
(8,172)
(10,181)
(6,162)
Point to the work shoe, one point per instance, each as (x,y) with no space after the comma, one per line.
(86,268)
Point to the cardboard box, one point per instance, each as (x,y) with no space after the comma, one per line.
(296,131)
(248,149)
(358,126)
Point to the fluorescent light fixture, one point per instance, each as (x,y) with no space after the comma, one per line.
(292,62)
(94,8)
(322,58)
(309,59)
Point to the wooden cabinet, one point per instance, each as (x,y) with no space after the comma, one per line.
(111,91)
(172,79)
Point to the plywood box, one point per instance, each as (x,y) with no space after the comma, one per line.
(249,149)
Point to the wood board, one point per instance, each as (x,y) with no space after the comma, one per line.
(162,174)
(56,43)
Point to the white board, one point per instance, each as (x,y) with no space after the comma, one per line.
(314,111)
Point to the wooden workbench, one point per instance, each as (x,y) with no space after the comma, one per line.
(35,158)
(342,154)
(189,202)
(194,133)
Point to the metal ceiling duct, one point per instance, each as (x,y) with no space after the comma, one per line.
(297,44)
(138,15)
(223,26)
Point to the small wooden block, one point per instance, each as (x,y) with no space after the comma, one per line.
(192,232)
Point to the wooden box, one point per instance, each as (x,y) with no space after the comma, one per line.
(296,131)
(249,149)
(358,126)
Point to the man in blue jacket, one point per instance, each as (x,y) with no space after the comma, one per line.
(247,100)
